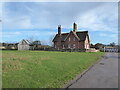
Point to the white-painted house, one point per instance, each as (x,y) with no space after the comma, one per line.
(25,45)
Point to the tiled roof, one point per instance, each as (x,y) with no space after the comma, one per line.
(80,35)
(28,42)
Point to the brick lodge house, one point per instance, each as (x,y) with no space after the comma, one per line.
(71,40)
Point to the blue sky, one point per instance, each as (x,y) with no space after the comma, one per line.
(39,20)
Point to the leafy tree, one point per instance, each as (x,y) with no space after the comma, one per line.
(98,45)
(112,44)
(3,44)
(91,45)
(36,44)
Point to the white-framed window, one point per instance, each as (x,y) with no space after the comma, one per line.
(69,46)
(74,46)
(55,46)
(69,38)
(74,39)
(63,46)
(87,46)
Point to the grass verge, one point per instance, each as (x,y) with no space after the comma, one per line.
(43,69)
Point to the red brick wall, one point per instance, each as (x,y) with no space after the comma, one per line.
(58,43)
(81,45)
(72,42)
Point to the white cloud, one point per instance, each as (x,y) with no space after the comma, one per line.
(17,33)
(43,15)
(1,4)
(102,18)
(82,30)
(9,34)
(109,35)
(92,16)
(17,23)
(27,33)
(88,16)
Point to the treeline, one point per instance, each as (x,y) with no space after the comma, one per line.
(8,46)
(38,46)
(14,46)
(100,45)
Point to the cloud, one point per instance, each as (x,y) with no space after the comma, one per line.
(10,34)
(108,35)
(25,19)
(17,23)
(1,4)
(89,16)
(43,15)
(27,34)
(100,19)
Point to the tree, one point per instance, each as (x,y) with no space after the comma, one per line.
(98,45)
(36,44)
(91,45)
(3,44)
(112,44)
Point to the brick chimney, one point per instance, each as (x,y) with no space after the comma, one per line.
(59,30)
(74,27)
(59,37)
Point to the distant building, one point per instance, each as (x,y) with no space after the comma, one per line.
(110,49)
(8,46)
(25,45)
(1,46)
(71,40)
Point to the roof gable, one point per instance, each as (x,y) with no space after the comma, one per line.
(73,34)
(79,35)
(26,41)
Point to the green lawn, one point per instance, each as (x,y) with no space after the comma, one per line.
(43,69)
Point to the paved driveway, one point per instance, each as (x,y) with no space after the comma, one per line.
(102,75)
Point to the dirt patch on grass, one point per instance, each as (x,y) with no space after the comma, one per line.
(44,58)
(39,60)
(12,66)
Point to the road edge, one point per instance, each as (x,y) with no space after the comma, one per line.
(71,82)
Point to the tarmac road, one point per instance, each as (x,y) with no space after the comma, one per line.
(104,74)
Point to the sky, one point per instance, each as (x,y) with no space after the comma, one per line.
(39,20)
